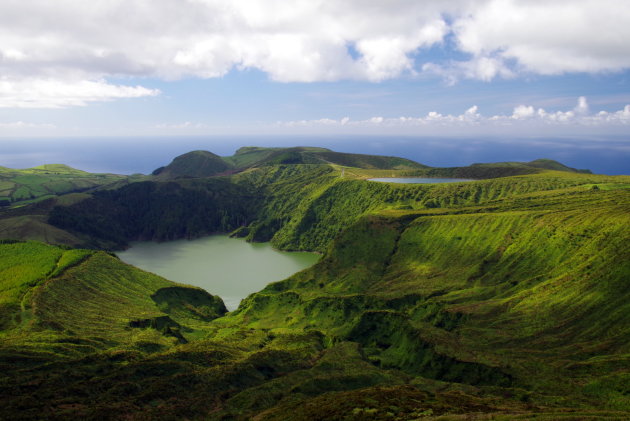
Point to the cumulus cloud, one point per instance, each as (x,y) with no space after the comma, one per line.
(525,116)
(549,37)
(70,43)
(522,112)
(56,93)
(292,41)
(582,106)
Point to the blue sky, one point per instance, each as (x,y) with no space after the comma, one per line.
(402,67)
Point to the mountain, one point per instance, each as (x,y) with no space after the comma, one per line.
(194,164)
(206,164)
(501,298)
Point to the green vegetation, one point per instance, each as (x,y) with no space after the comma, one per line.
(157,211)
(248,157)
(503,298)
(24,186)
(550,164)
(194,164)
(30,222)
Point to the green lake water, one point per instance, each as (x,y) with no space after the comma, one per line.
(228,267)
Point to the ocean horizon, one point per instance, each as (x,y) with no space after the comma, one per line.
(128,155)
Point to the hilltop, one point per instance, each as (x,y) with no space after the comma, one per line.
(206,164)
(31,184)
(194,164)
(247,157)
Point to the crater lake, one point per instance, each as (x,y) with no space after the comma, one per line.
(228,267)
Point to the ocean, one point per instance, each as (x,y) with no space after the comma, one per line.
(129,155)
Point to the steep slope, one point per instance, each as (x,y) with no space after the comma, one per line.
(527,296)
(515,307)
(504,298)
(307,211)
(159,211)
(30,222)
(70,302)
(194,164)
(297,207)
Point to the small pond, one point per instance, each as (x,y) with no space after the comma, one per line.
(228,267)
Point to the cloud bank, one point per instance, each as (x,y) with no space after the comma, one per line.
(523,116)
(187,125)
(61,53)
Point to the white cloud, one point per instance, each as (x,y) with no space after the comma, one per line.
(522,112)
(523,116)
(68,49)
(548,37)
(56,93)
(292,41)
(179,126)
(582,106)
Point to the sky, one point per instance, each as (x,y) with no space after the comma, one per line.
(331,67)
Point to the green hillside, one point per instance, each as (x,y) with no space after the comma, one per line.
(31,221)
(550,164)
(296,207)
(501,298)
(206,164)
(250,156)
(24,186)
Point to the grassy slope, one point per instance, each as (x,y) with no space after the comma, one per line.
(532,292)
(157,210)
(294,223)
(305,207)
(50,293)
(250,156)
(30,222)
(460,291)
(22,186)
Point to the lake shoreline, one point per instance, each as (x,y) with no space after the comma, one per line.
(229,267)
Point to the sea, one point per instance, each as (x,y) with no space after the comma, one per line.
(132,155)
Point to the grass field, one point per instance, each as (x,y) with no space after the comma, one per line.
(24,186)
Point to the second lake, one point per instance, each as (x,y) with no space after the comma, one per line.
(228,267)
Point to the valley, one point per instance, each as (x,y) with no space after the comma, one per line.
(505,297)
